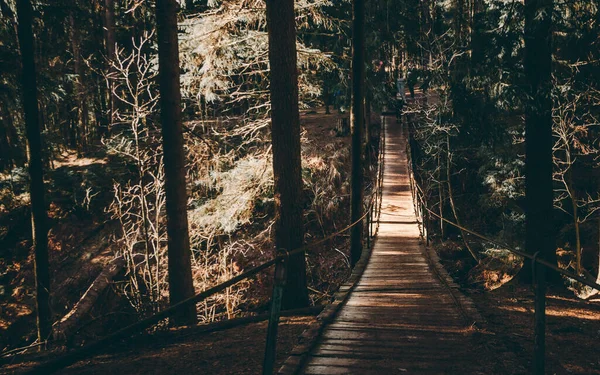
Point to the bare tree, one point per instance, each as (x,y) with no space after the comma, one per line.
(38,205)
(180,272)
(285,137)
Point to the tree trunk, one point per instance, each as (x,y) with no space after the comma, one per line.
(367,131)
(38,205)
(441,199)
(598,275)
(356,120)
(573,198)
(180,271)
(538,133)
(477,32)
(11,153)
(82,110)
(285,136)
(65,327)
(109,25)
(539,193)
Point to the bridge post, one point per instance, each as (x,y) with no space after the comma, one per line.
(276,298)
(369,228)
(427,225)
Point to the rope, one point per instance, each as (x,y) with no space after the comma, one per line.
(420,194)
(74,356)
(81,353)
(523,254)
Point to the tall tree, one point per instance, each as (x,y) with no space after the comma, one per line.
(82,108)
(180,271)
(539,233)
(38,205)
(285,135)
(538,130)
(110,40)
(357,120)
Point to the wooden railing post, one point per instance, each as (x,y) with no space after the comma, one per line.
(369,226)
(426,225)
(539,342)
(271,344)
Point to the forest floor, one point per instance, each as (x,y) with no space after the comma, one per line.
(228,352)
(573,324)
(572,334)
(572,330)
(81,243)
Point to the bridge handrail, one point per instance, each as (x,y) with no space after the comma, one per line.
(373,209)
(539,285)
(523,254)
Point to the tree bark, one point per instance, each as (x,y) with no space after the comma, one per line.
(538,133)
(65,327)
(477,32)
(180,272)
(285,137)
(11,153)
(109,25)
(82,110)
(38,206)
(539,193)
(357,123)
(598,274)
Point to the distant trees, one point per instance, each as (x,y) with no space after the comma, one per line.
(181,285)
(38,205)
(285,138)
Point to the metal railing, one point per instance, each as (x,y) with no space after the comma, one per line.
(424,214)
(371,214)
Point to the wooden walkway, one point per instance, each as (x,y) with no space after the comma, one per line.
(402,317)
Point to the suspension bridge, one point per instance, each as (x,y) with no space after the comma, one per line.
(404,315)
(399,312)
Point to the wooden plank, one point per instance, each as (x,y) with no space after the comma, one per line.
(400,318)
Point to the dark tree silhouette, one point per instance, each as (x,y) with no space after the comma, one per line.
(539,223)
(538,131)
(285,134)
(38,205)
(180,272)
(357,120)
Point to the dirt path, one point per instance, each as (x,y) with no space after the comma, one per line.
(401,318)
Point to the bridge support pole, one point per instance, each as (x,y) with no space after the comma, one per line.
(426,225)
(276,298)
(369,221)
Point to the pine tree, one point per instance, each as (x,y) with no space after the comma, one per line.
(285,137)
(357,120)
(38,206)
(180,272)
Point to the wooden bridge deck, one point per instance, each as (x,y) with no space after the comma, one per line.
(401,318)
